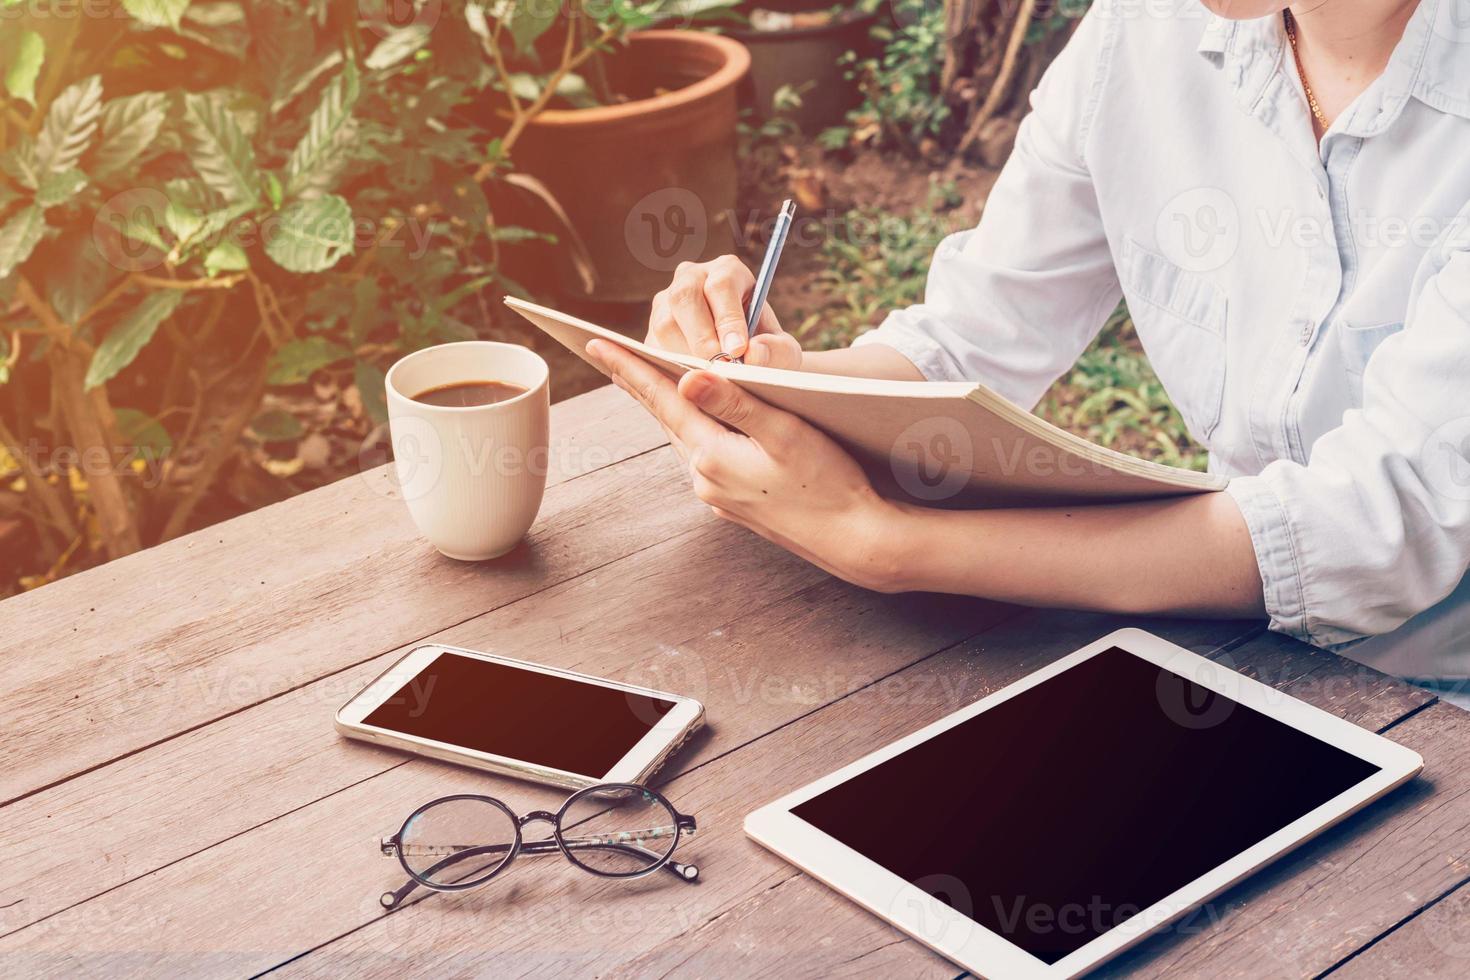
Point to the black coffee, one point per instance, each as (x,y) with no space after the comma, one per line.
(467,394)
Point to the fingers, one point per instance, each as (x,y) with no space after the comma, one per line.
(725,289)
(725,401)
(777,350)
(702,312)
(685,423)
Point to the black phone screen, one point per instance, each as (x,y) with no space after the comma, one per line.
(520,714)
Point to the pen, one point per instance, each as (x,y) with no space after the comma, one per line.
(767,271)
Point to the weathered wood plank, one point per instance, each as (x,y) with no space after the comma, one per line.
(616,621)
(124,655)
(1434,943)
(312,874)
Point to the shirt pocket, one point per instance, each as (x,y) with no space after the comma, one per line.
(1181,317)
(1357,345)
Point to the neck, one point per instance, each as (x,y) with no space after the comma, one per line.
(1351,36)
(1345,44)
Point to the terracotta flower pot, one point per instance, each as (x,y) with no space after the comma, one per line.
(651,182)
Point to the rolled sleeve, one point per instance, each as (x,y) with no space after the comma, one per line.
(1375,527)
(913,332)
(1281,574)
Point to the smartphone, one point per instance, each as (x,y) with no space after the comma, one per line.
(520,719)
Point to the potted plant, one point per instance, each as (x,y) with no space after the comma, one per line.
(630,133)
(800,46)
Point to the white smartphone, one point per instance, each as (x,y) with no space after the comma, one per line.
(520,719)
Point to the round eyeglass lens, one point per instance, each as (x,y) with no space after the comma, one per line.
(457,842)
(617,830)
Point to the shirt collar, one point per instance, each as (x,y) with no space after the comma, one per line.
(1431,63)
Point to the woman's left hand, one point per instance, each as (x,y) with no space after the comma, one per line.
(776,475)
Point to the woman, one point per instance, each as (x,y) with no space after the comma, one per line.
(1282,195)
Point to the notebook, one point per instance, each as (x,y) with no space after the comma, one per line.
(941,444)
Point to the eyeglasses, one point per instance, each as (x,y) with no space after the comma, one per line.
(612,830)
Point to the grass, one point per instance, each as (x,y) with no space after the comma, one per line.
(1111,396)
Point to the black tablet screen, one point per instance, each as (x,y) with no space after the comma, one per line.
(1062,812)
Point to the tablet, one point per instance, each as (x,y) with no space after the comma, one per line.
(1047,827)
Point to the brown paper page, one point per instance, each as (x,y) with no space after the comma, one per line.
(943,444)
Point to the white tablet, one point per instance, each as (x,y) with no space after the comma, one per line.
(1047,827)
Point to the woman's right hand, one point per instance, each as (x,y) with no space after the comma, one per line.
(702,312)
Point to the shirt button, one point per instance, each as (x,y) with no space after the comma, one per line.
(1306,333)
(1321,193)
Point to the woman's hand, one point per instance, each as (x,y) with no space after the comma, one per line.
(776,475)
(703,313)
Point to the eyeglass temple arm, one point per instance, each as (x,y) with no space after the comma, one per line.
(391,900)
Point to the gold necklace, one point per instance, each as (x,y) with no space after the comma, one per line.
(1290,22)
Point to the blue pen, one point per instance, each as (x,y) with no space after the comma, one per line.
(766,274)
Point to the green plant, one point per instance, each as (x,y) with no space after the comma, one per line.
(876,262)
(532,69)
(203,202)
(1112,397)
(902,102)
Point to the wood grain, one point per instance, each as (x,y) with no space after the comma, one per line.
(283,754)
(122,656)
(1435,942)
(196,813)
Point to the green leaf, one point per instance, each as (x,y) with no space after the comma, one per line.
(19,163)
(318,156)
(129,126)
(373,388)
(181,219)
(311,235)
(124,341)
(19,237)
(296,361)
(277,425)
(511,233)
(59,188)
(70,124)
(219,149)
(529,19)
(274,192)
(20,77)
(157,13)
(407,40)
(226,257)
(149,439)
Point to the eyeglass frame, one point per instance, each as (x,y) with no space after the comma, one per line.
(684,825)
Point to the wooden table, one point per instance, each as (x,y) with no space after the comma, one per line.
(175,800)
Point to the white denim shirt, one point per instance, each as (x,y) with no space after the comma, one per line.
(1306,307)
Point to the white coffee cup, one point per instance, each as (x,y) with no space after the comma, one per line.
(472,477)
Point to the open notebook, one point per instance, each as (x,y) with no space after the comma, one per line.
(943,444)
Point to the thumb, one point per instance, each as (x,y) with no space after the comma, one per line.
(724,400)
